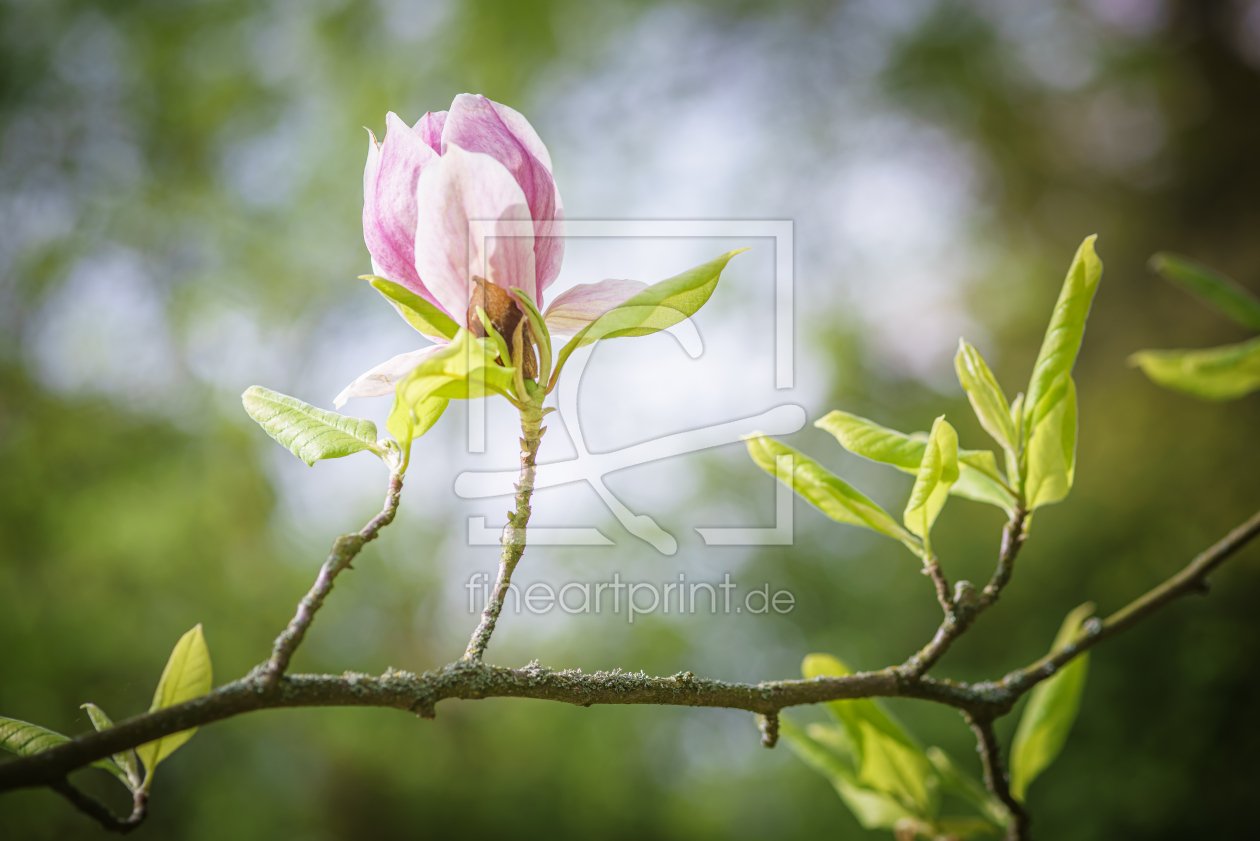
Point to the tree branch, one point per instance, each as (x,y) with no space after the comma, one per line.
(513,538)
(1192,579)
(99,812)
(468,679)
(344,550)
(995,775)
(962,609)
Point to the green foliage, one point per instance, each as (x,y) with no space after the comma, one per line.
(309,433)
(1051,711)
(828,492)
(537,326)
(1222,292)
(1221,373)
(1051,452)
(881,772)
(462,370)
(187,675)
(1063,336)
(659,306)
(978,475)
(938,471)
(24,738)
(986,397)
(1048,413)
(125,765)
(424,316)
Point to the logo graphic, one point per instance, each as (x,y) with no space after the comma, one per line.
(592,467)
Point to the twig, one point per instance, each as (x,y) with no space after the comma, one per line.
(99,812)
(995,775)
(1192,579)
(472,680)
(345,549)
(962,609)
(513,537)
(932,569)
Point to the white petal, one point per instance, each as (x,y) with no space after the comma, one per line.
(382,379)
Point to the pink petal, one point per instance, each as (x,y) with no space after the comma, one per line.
(586,302)
(548,240)
(382,379)
(476,124)
(389,202)
(429,127)
(460,187)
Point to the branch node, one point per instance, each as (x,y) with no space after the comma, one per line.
(768,724)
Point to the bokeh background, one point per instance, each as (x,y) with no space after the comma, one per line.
(180,189)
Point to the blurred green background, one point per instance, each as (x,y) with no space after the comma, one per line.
(179,217)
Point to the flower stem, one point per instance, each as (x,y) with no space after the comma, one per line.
(513,538)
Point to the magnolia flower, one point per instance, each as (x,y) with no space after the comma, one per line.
(478,162)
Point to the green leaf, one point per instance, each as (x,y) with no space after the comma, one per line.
(500,343)
(659,306)
(1051,711)
(24,738)
(464,369)
(408,424)
(873,809)
(1221,373)
(986,396)
(187,675)
(978,476)
(1051,450)
(888,758)
(126,765)
(1215,288)
(538,327)
(828,492)
(938,471)
(1063,336)
(424,316)
(309,433)
(967,788)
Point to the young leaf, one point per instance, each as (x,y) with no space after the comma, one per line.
(1051,450)
(986,396)
(1220,373)
(187,675)
(538,327)
(24,738)
(427,318)
(828,492)
(407,424)
(1063,336)
(962,785)
(938,471)
(873,809)
(462,370)
(1215,288)
(888,758)
(978,476)
(126,765)
(659,306)
(1051,711)
(309,433)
